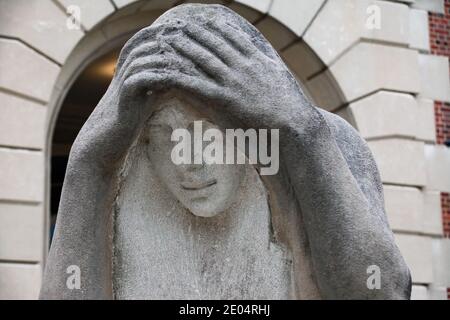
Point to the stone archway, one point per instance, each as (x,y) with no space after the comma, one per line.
(340,62)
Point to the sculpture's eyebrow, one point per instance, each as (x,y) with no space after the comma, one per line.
(159,124)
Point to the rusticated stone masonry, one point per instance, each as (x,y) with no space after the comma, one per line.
(439,42)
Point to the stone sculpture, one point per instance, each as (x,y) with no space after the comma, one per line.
(139,226)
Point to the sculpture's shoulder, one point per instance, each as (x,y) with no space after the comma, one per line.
(358,156)
(344,133)
(353,147)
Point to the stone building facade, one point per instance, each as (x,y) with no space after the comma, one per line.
(382,65)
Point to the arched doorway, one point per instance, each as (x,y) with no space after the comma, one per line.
(78,104)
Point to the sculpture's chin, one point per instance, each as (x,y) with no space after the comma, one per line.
(204,214)
(204,211)
(206,203)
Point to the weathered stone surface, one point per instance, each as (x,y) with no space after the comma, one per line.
(378,115)
(21,236)
(426,120)
(131,10)
(277,34)
(37,21)
(92,12)
(405,207)
(419,35)
(139,226)
(341,24)
(441,262)
(417,251)
(19,281)
(438,167)
(123,3)
(393,158)
(302,60)
(419,293)
(430,5)
(413,210)
(432,214)
(296,15)
(22,123)
(362,70)
(326,91)
(249,13)
(437,293)
(23,175)
(30,66)
(126,23)
(260,5)
(434,79)
(158,4)
(206,1)
(89,44)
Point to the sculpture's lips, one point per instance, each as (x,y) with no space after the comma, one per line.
(198,185)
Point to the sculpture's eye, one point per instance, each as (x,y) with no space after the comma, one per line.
(160,128)
(206,124)
(160,132)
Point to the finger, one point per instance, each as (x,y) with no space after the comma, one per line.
(221,48)
(145,35)
(239,39)
(146,49)
(148,80)
(152,62)
(201,57)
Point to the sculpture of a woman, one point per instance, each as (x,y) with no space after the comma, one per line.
(139,226)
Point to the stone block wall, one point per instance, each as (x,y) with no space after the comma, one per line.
(439,30)
(392,82)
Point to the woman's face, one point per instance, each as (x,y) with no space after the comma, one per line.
(205,189)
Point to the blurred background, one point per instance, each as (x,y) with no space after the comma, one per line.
(381,65)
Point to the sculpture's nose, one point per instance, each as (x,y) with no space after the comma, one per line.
(197,162)
(192,167)
(193,175)
(195,169)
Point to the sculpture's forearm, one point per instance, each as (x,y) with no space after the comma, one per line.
(345,235)
(82,236)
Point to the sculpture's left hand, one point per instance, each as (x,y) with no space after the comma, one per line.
(256,88)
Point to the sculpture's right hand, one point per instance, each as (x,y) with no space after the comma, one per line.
(110,130)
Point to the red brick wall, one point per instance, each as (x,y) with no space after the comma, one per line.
(439,43)
(442,116)
(445,203)
(440,31)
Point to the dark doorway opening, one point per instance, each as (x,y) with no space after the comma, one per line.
(80,101)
